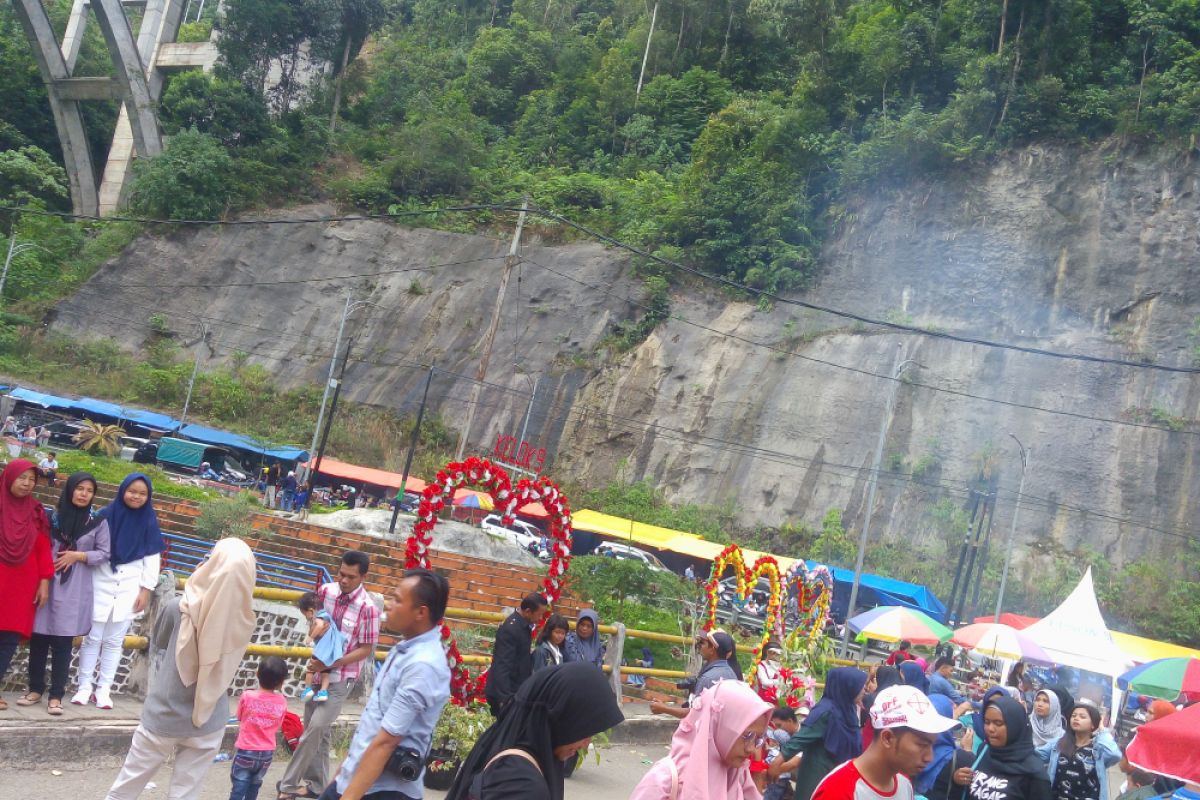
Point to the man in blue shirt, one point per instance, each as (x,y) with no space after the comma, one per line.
(410,690)
(939,680)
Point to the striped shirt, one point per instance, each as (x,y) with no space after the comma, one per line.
(357,618)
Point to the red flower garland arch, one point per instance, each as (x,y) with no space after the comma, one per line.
(484,475)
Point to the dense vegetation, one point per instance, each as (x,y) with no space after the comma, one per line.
(735,148)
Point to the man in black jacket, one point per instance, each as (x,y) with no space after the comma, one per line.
(511,661)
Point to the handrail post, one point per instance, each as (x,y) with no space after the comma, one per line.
(618,649)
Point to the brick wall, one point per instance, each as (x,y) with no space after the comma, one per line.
(475,583)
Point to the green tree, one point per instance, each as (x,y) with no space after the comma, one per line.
(224,109)
(192,179)
(504,65)
(745,211)
(833,545)
(30,177)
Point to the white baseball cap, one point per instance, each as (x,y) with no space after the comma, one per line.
(908,707)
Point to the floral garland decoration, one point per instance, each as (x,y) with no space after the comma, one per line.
(484,474)
(814,590)
(747,579)
(799,689)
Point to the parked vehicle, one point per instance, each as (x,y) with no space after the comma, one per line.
(408,502)
(518,532)
(63,431)
(626,552)
(182,455)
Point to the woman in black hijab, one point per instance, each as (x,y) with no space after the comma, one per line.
(552,717)
(1007,767)
(77,545)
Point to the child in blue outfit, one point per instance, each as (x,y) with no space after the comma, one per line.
(328,646)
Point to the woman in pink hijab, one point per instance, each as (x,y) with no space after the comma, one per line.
(711,749)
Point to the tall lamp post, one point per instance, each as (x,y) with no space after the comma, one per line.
(1012,531)
(865,534)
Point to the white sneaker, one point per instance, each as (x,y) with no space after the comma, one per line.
(104,699)
(83,696)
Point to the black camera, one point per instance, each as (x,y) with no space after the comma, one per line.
(687,685)
(406,764)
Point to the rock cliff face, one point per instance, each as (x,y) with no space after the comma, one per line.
(1065,250)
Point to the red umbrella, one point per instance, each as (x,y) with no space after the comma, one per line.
(1169,746)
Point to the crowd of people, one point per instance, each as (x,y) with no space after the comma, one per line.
(900,731)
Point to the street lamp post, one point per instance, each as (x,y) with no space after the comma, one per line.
(865,534)
(1012,531)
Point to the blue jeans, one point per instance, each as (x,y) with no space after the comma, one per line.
(249,769)
(289,498)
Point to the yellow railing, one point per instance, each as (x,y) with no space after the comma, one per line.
(463,615)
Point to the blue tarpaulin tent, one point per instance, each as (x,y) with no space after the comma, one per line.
(147,419)
(876,590)
(202,433)
(42,399)
(92,406)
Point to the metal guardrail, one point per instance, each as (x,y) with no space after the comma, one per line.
(184,554)
(280,594)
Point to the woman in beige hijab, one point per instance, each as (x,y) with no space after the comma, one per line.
(197,643)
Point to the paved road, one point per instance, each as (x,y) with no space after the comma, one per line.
(620,768)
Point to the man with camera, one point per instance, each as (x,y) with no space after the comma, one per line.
(716,648)
(386,760)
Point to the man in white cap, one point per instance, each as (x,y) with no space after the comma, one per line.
(906,726)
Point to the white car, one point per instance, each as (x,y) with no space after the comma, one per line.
(626,553)
(518,532)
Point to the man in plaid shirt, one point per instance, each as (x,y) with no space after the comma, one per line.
(356,615)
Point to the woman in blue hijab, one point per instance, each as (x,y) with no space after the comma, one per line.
(831,733)
(935,781)
(912,675)
(121,587)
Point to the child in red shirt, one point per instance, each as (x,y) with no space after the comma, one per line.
(260,712)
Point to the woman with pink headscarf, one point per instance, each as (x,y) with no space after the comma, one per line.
(711,750)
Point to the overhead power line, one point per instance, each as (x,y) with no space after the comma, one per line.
(860,371)
(619,422)
(641,253)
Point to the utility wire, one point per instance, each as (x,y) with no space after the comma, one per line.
(641,253)
(858,370)
(620,422)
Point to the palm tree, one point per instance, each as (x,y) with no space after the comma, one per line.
(98,436)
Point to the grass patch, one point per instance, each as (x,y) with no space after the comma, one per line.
(114,470)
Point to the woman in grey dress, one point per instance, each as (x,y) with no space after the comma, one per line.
(77,545)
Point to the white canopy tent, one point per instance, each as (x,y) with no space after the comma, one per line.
(1074,634)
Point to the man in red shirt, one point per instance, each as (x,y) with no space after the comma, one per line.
(900,654)
(906,726)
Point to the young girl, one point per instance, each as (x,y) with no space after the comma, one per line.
(1078,761)
(121,586)
(328,646)
(548,652)
(260,714)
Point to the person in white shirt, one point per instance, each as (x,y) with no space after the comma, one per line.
(121,587)
(48,467)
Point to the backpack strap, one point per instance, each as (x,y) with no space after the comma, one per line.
(674,779)
(514,751)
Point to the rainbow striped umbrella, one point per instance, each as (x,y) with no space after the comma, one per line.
(1166,678)
(998,640)
(893,623)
